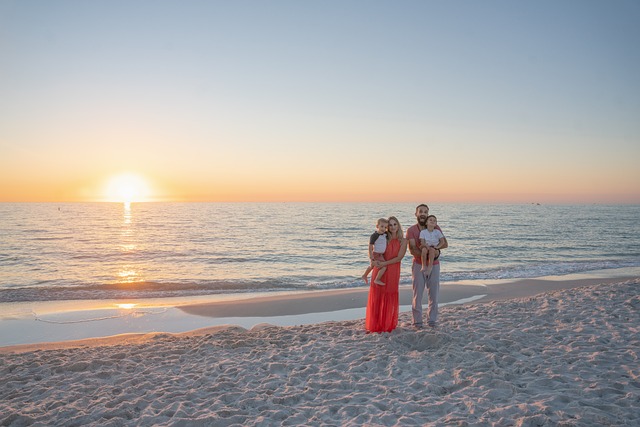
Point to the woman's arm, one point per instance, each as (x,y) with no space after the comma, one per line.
(401,252)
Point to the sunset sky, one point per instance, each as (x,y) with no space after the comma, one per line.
(533,101)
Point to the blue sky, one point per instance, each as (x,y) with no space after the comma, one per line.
(295,100)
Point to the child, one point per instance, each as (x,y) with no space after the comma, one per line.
(377,246)
(431,240)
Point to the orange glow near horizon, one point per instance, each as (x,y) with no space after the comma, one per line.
(342,186)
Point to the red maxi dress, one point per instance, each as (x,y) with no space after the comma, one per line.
(383,305)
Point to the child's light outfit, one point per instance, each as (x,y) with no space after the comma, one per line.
(431,237)
(379,242)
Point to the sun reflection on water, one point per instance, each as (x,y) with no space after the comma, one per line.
(127,212)
(127,244)
(127,276)
(126,306)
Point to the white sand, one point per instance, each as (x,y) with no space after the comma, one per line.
(563,358)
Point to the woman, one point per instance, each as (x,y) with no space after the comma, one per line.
(383,305)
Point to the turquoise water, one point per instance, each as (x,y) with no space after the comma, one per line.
(101,250)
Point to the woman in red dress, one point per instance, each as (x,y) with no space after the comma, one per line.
(384,302)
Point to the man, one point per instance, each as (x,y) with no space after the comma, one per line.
(419,281)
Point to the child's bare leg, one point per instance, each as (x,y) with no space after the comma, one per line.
(432,256)
(365,276)
(379,276)
(423,258)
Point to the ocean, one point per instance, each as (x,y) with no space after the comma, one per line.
(72,251)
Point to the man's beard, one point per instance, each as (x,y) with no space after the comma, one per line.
(422,221)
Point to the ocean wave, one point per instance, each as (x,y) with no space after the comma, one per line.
(54,291)
(135,290)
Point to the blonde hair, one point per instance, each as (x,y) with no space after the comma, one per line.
(400,235)
(382,221)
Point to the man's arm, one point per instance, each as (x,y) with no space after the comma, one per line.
(444,245)
(413,248)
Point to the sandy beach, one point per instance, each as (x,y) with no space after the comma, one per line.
(566,357)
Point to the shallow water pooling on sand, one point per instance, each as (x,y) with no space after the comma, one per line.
(30,325)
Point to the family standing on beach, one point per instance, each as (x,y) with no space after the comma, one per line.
(384,297)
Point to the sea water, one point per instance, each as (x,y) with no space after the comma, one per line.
(52,251)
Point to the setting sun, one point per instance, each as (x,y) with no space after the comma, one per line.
(127,188)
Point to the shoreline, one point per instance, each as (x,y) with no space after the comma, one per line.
(327,301)
(67,329)
(342,299)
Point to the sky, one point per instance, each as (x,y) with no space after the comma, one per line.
(416,101)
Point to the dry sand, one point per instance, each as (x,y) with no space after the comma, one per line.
(562,358)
